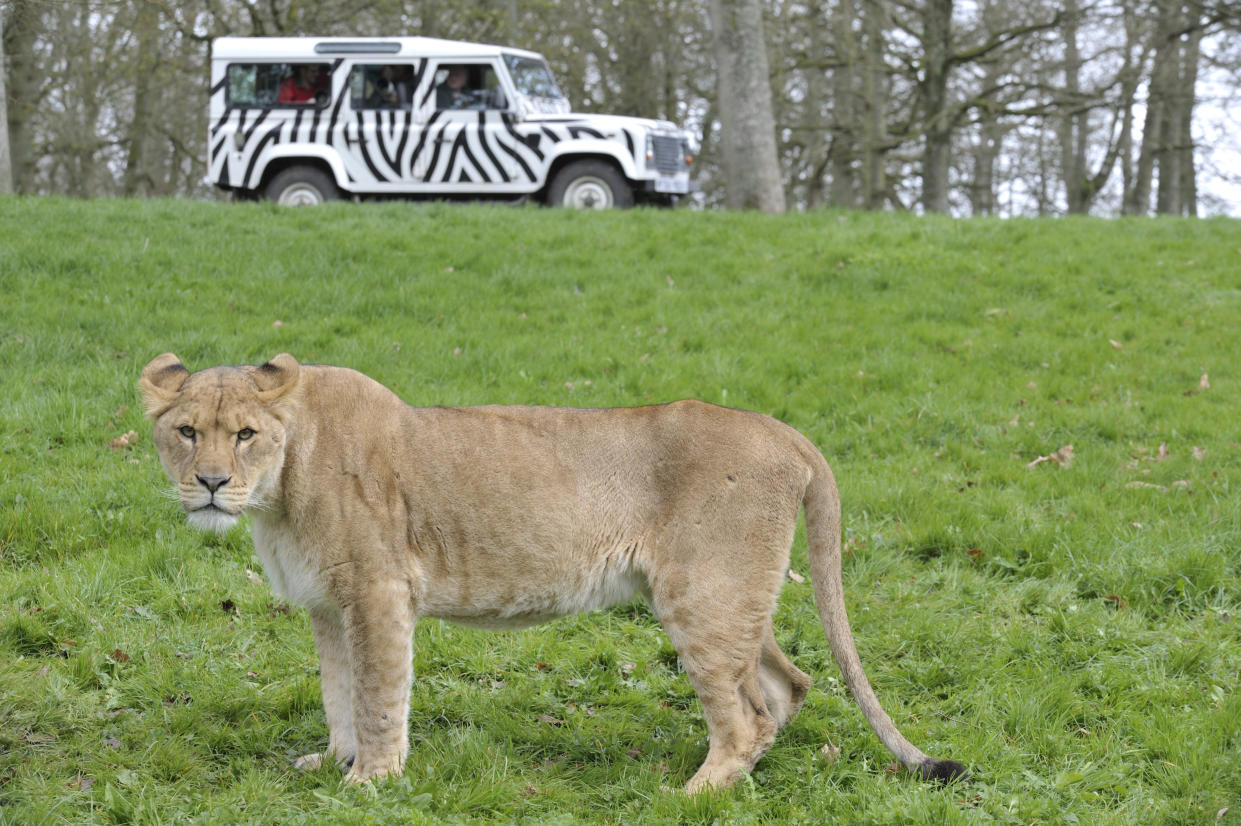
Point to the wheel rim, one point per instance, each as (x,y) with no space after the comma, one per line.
(301,194)
(588,192)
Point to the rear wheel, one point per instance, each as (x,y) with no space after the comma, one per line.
(302,186)
(590,185)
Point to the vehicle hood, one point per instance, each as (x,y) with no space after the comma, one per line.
(604,123)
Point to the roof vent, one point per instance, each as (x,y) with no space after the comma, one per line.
(355,47)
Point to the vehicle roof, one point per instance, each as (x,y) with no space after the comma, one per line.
(304,47)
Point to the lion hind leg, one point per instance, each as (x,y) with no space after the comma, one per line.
(783,684)
(721,654)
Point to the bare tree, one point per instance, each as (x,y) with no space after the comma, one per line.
(24,89)
(751,166)
(6,162)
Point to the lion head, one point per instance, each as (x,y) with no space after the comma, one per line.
(221,434)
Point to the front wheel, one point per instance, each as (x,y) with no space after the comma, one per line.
(302,186)
(590,185)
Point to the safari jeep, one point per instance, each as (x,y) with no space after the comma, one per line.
(302,120)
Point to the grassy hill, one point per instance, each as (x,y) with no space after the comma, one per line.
(1033,423)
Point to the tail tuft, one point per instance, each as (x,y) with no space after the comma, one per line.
(942,771)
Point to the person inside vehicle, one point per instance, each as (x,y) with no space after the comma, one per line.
(391,89)
(452,93)
(305,84)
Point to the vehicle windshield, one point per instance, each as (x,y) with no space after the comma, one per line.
(534,81)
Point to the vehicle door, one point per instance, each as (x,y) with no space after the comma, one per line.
(467,141)
(375,130)
(259,107)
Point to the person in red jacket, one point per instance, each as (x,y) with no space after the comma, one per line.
(307,80)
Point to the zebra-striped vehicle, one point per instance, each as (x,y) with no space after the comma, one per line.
(302,120)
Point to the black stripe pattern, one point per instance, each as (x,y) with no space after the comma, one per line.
(388,150)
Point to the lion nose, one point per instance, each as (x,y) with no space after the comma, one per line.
(214,483)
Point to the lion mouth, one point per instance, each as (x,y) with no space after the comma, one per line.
(211,517)
(212,507)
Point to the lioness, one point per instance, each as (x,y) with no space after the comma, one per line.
(372,513)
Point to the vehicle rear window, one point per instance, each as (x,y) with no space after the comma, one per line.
(270,85)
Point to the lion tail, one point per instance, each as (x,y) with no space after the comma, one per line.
(823,535)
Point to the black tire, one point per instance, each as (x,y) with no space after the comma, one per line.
(590,185)
(302,186)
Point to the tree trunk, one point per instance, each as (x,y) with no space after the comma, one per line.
(23,88)
(1183,200)
(937,43)
(875,102)
(844,107)
(1129,86)
(1073,122)
(751,165)
(6,161)
(138,178)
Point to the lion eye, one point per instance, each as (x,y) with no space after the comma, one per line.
(245,434)
(186,431)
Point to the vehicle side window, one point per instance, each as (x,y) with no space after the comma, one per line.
(381,86)
(268,85)
(473,86)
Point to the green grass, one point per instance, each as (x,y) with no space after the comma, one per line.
(1069,632)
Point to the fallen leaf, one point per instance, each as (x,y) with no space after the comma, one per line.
(893,767)
(796,577)
(1116,345)
(1204,384)
(122,442)
(112,742)
(829,753)
(974,553)
(120,656)
(1136,485)
(627,669)
(1062,458)
(81,783)
(1119,602)
(550,720)
(1199,453)
(253,577)
(1221,813)
(277,324)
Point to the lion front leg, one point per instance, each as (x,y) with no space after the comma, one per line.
(336,679)
(379,628)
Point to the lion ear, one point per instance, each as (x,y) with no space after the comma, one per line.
(161,383)
(277,377)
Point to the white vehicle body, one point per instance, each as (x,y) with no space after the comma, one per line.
(376,117)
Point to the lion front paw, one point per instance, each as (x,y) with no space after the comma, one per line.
(365,772)
(314,762)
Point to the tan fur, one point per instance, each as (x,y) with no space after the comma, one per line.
(372,513)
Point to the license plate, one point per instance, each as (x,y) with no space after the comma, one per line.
(672,186)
